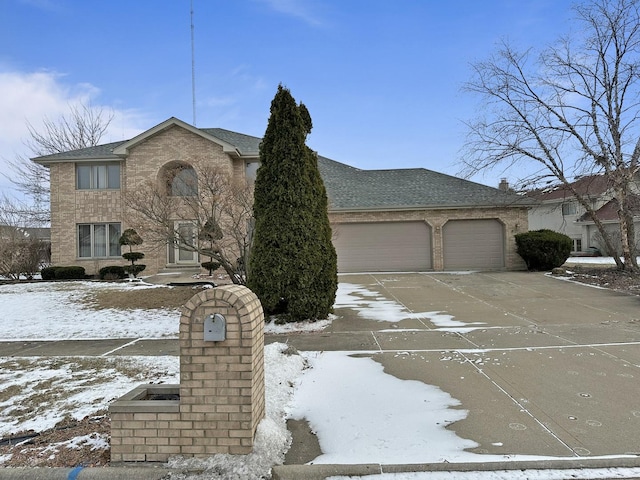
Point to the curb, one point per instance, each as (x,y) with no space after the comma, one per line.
(321,472)
(80,473)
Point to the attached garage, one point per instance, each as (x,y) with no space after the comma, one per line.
(473,244)
(383,246)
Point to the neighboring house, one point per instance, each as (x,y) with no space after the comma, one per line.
(608,215)
(10,233)
(559,210)
(383,220)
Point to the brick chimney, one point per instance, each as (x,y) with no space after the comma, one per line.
(504,185)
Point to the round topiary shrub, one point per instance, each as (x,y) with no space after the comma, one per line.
(134,269)
(543,249)
(211,266)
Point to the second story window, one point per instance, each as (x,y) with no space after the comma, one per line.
(569,208)
(99,176)
(251,171)
(183,182)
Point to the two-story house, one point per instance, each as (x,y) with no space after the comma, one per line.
(382,220)
(560,211)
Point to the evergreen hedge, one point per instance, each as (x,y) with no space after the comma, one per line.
(543,249)
(63,273)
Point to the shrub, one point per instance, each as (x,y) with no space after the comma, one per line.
(133,256)
(130,237)
(48,273)
(112,272)
(543,249)
(211,266)
(134,269)
(63,273)
(70,273)
(293,264)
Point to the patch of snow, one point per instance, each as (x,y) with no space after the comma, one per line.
(48,389)
(307,326)
(373,306)
(272,437)
(52,311)
(363,415)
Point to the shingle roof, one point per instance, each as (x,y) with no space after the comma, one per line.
(609,211)
(350,188)
(590,185)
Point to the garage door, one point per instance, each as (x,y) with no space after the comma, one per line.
(473,244)
(382,247)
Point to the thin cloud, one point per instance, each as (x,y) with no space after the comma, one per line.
(301,9)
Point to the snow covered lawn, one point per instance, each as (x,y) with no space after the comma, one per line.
(352,404)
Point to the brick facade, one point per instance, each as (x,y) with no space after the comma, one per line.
(144,162)
(514,220)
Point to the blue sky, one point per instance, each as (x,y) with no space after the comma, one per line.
(381,78)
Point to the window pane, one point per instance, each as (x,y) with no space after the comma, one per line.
(114,238)
(251,171)
(100,176)
(84,240)
(99,240)
(113,171)
(83,177)
(185,183)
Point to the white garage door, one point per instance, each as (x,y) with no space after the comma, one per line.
(382,247)
(473,244)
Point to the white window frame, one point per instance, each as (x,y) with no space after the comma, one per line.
(569,208)
(101,237)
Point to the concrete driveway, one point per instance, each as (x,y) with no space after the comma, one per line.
(545,367)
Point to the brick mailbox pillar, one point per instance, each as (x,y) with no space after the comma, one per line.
(221,391)
(222,396)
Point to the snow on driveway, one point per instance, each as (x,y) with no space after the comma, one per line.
(360,413)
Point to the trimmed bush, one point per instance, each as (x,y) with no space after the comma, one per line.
(63,273)
(48,273)
(133,256)
(130,237)
(112,272)
(543,249)
(211,266)
(134,269)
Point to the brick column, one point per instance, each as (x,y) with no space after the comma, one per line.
(221,383)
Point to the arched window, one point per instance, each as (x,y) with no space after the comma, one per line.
(181,180)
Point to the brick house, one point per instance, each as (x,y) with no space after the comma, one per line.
(382,220)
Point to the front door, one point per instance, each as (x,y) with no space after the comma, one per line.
(179,251)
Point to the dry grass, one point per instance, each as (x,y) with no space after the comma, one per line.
(145,299)
(48,449)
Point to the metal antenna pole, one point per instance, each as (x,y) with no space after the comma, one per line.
(193,68)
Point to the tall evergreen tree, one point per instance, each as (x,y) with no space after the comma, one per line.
(293,264)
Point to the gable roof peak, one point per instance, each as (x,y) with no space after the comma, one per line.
(123,149)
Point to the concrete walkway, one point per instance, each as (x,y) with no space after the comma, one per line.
(547,367)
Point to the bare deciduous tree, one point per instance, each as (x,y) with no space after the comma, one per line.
(21,253)
(569,111)
(83,127)
(218,208)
